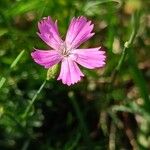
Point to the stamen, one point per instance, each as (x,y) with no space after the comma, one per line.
(65,52)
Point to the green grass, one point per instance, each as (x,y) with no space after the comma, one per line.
(108,109)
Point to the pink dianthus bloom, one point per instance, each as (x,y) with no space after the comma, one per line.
(67,51)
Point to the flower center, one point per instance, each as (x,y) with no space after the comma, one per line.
(65,52)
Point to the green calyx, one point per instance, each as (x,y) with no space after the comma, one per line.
(52,72)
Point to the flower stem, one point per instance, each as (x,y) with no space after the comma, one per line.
(33,99)
(126,46)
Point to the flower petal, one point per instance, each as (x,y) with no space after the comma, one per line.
(90,58)
(49,32)
(46,58)
(70,72)
(79,31)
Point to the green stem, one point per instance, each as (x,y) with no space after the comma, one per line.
(139,80)
(13,64)
(33,99)
(127,45)
(2,81)
(75,142)
(80,117)
(112,137)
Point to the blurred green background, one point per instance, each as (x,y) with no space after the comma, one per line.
(108,109)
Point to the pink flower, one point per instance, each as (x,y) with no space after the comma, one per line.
(67,51)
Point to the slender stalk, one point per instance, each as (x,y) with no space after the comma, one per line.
(126,47)
(33,99)
(112,137)
(2,81)
(26,145)
(80,117)
(75,142)
(13,64)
